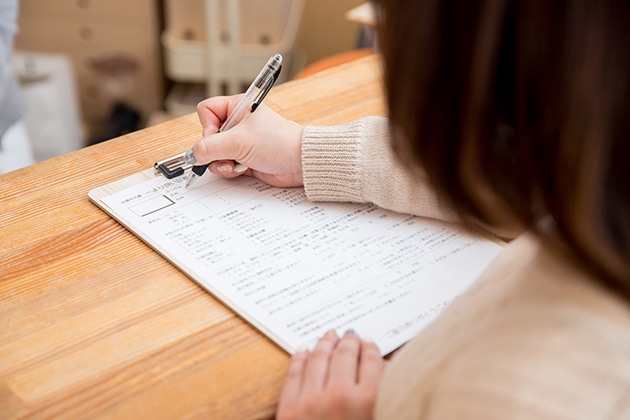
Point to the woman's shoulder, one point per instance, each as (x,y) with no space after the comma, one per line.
(549,359)
(550,362)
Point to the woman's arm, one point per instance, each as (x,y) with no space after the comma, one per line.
(351,162)
(355,162)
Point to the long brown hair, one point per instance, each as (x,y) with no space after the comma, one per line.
(520,111)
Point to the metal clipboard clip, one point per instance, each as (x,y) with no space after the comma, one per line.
(173,166)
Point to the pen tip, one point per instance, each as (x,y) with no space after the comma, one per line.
(191,178)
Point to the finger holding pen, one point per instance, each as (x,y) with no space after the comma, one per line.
(246,106)
(212,113)
(236,138)
(267,143)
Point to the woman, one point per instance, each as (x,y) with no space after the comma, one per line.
(514,113)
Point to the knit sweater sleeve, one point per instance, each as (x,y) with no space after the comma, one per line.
(355,163)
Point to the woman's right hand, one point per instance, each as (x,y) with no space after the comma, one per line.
(269,145)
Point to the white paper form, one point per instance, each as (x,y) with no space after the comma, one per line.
(295,268)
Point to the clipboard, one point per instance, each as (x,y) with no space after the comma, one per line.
(326,265)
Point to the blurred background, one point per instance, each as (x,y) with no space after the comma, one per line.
(91,70)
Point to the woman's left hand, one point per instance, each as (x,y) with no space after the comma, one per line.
(339,379)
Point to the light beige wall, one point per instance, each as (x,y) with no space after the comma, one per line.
(325,30)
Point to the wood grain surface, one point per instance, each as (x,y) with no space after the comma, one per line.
(95,324)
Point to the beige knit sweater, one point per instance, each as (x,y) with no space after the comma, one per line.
(534,338)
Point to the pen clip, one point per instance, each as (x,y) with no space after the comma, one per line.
(268,85)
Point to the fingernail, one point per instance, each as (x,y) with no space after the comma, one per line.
(366,339)
(224,168)
(331,333)
(239,168)
(301,349)
(349,331)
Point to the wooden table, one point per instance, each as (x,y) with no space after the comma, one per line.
(94,323)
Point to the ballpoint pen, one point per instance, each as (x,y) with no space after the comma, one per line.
(250,101)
